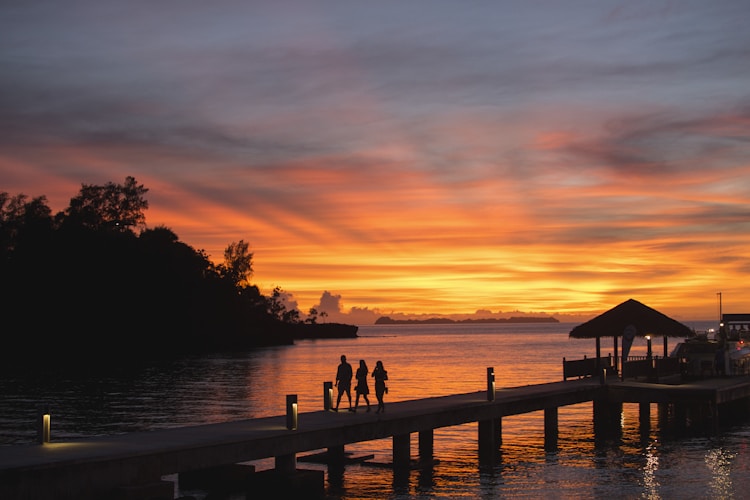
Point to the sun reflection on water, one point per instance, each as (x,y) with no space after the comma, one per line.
(719,462)
(650,469)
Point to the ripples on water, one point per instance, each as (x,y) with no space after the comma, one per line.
(422,361)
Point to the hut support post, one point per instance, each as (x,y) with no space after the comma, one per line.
(617,357)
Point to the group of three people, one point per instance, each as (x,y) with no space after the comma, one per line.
(344,383)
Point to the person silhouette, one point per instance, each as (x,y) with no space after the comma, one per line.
(361,388)
(380,376)
(344,382)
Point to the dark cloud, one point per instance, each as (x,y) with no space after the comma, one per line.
(661,144)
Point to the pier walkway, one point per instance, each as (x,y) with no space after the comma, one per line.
(95,467)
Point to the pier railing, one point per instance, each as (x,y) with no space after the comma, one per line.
(650,367)
(587,367)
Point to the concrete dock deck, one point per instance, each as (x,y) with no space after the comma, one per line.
(86,467)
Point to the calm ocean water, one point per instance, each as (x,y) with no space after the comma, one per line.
(422,360)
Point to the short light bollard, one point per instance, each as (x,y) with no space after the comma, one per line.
(291,412)
(43,431)
(490,384)
(327,396)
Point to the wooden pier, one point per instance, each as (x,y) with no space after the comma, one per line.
(132,465)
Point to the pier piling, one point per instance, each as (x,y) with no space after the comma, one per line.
(489,437)
(426,446)
(550,429)
(402,450)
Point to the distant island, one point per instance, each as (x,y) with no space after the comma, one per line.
(314,331)
(385,320)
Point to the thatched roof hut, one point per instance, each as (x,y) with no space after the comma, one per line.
(628,320)
(645,320)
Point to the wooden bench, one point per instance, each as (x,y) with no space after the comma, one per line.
(586,367)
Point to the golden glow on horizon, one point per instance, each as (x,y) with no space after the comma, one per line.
(417,251)
(420,249)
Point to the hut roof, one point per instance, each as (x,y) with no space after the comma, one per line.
(647,321)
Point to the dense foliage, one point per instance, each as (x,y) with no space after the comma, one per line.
(92,282)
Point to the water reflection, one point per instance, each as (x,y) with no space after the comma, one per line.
(719,461)
(650,481)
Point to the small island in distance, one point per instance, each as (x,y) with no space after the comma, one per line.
(385,320)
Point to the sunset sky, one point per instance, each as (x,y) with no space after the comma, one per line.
(407,156)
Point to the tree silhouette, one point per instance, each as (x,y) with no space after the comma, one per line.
(22,220)
(238,263)
(82,288)
(113,207)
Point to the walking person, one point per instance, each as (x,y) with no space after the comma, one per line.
(380,376)
(361,388)
(344,382)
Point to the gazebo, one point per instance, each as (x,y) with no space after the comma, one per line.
(628,320)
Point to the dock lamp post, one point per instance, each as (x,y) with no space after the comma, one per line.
(43,431)
(648,346)
(490,384)
(327,396)
(291,412)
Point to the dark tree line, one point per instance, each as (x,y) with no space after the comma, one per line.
(93,284)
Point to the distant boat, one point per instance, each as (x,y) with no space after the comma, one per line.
(702,356)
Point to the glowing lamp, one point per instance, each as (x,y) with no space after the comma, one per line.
(490,384)
(291,412)
(43,432)
(327,395)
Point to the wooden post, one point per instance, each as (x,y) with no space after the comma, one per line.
(401,450)
(550,429)
(617,357)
